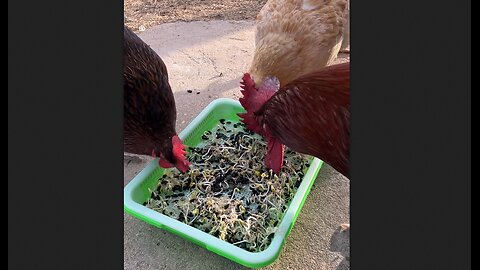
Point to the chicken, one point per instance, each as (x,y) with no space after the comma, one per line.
(149,106)
(345,48)
(296,37)
(310,115)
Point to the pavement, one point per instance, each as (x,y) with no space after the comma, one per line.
(209,59)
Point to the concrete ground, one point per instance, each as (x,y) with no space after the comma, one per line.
(209,58)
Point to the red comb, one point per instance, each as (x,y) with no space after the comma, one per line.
(179,154)
(254,98)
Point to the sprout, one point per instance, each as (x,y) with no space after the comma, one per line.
(228,192)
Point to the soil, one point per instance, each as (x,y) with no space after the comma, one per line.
(139,15)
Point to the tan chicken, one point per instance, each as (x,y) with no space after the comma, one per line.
(297,37)
(345,48)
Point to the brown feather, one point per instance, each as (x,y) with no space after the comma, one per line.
(149,104)
(311,115)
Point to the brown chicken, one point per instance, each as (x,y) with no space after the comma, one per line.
(149,106)
(310,115)
(296,37)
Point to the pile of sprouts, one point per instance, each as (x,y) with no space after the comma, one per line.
(228,192)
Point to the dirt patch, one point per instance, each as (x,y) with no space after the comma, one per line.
(142,14)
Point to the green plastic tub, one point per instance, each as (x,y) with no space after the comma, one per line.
(137,192)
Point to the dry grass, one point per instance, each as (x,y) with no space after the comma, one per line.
(142,14)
